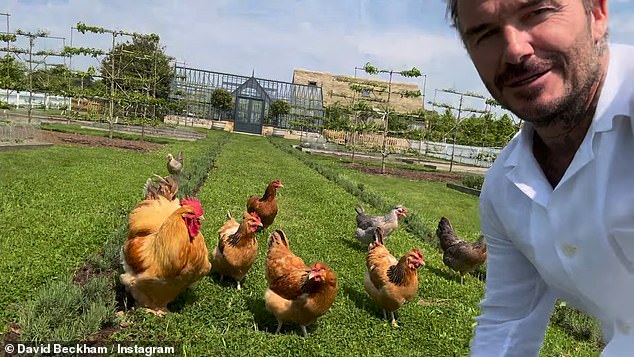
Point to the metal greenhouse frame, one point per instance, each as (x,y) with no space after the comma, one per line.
(252,99)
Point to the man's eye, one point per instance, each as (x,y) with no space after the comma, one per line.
(541,11)
(486,35)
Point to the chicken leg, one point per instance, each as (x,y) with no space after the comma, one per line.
(279,327)
(304,330)
(393,319)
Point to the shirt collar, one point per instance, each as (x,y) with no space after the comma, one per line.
(617,95)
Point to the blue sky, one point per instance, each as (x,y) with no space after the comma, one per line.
(274,36)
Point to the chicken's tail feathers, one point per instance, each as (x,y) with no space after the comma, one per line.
(149,191)
(278,238)
(378,238)
(160,186)
(359,210)
(379,235)
(180,157)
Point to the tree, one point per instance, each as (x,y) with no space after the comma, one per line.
(12,73)
(222,101)
(279,107)
(398,124)
(504,130)
(141,65)
(337,117)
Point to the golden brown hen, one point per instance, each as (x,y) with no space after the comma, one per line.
(237,247)
(165,252)
(265,206)
(296,293)
(459,255)
(388,281)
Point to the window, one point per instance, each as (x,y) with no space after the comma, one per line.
(312,83)
(365,92)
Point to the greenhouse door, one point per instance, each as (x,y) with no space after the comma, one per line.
(249,115)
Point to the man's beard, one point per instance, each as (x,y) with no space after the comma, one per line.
(568,108)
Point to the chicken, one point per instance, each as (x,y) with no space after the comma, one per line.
(165,252)
(388,281)
(296,293)
(237,246)
(266,206)
(367,224)
(175,165)
(167,187)
(459,255)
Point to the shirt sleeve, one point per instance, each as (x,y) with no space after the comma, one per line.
(517,303)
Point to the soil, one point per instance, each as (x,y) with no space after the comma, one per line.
(54,137)
(410,174)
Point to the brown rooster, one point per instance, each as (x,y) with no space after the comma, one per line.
(265,206)
(237,247)
(296,293)
(388,281)
(459,255)
(165,252)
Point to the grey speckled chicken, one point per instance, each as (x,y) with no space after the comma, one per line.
(366,225)
(459,255)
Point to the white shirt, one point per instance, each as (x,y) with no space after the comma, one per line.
(574,242)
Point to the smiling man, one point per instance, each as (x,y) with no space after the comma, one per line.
(557,207)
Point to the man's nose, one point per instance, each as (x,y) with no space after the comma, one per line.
(517,45)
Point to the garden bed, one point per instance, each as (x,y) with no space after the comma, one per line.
(54,137)
(409,174)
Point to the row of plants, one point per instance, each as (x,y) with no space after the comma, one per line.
(574,322)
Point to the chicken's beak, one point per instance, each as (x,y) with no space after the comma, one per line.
(202,218)
(311,275)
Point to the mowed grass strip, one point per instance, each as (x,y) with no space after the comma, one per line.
(319,218)
(58,206)
(571,332)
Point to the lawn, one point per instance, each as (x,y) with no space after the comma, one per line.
(86,198)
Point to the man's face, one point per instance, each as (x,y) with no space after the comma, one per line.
(536,57)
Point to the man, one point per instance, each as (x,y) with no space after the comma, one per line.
(557,207)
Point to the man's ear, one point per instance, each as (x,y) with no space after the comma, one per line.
(599,18)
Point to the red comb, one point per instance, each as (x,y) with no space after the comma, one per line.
(194,203)
(256,216)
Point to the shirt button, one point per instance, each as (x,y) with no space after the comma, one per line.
(569,249)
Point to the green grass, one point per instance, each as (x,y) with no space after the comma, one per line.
(430,200)
(59,205)
(78,129)
(214,318)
